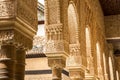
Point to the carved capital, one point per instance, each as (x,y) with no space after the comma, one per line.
(56,62)
(77,74)
(16,38)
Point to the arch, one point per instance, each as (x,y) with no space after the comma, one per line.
(72,23)
(74,46)
(111,69)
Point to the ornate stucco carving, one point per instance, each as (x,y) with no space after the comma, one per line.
(10,36)
(58,63)
(26,11)
(18,21)
(55,42)
(7,9)
(75,58)
(54,32)
(54,46)
(54,11)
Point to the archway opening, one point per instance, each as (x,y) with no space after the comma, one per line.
(72,24)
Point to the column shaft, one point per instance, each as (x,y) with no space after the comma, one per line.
(7,62)
(20,65)
(56,73)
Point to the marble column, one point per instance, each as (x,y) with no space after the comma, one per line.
(20,65)
(7,62)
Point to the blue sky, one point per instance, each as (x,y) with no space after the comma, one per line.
(41,1)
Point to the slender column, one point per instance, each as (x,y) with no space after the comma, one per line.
(7,62)
(56,65)
(56,73)
(20,65)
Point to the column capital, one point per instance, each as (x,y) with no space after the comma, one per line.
(77,73)
(56,62)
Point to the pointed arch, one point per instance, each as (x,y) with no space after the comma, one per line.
(72,23)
